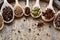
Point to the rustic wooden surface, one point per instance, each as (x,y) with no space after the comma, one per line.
(19,28)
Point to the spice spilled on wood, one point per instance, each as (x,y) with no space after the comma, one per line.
(18,11)
(29,30)
(48,14)
(40,24)
(7,13)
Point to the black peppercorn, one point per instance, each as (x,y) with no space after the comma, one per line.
(7,13)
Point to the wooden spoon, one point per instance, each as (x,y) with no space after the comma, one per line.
(54,23)
(6,4)
(38,6)
(2,25)
(27,9)
(48,7)
(18,10)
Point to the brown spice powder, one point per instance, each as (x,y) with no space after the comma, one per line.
(18,11)
(48,14)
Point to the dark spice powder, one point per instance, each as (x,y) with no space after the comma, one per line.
(57,21)
(48,14)
(7,13)
(27,10)
(40,24)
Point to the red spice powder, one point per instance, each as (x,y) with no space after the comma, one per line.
(48,14)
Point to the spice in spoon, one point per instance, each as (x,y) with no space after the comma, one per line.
(18,11)
(57,21)
(27,11)
(7,13)
(1,21)
(36,11)
(48,14)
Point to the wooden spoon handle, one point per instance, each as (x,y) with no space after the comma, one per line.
(51,2)
(27,2)
(37,2)
(5,1)
(16,1)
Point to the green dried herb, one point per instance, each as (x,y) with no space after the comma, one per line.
(36,11)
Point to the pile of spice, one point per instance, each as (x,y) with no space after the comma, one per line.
(57,21)
(27,11)
(40,24)
(36,11)
(18,11)
(1,21)
(48,14)
(7,13)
